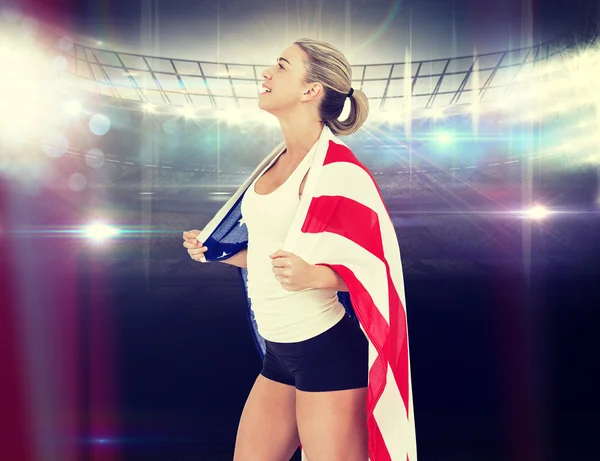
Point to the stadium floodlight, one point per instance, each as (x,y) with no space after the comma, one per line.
(445,137)
(502,105)
(73,107)
(99,232)
(537,212)
(532,116)
(187,111)
(29,91)
(235,116)
(436,112)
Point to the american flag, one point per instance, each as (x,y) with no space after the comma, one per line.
(342,223)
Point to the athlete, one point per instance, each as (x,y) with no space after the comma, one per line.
(312,388)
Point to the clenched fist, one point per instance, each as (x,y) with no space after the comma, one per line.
(195,248)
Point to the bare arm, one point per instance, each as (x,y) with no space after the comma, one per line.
(239,259)
(325,277)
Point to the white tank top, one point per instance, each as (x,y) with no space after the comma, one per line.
(282,316)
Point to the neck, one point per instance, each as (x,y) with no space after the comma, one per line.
(300,137)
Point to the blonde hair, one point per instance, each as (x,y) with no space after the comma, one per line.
(327,65)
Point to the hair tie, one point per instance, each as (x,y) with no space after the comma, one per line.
(350,93)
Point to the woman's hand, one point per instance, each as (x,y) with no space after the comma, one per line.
(292,271)
(195,248)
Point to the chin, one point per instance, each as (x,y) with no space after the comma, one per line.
(261,106)
(264,107)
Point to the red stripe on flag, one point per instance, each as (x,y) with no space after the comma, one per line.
(346,217)
(398,344)
(378,450)
(338,153)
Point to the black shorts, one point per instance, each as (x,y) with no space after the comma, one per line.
(336,359)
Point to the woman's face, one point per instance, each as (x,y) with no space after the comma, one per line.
(285,80)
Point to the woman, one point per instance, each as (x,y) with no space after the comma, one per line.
(313,385)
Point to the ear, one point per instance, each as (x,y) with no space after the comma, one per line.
(313,91)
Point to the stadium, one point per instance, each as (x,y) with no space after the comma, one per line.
(488,165)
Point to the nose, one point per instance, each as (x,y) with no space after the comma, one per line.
(266,74)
